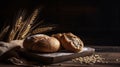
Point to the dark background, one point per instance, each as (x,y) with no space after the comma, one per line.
(95,21)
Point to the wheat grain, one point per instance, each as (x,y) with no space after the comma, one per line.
(90,59)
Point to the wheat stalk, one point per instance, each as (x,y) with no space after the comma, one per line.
(33,17)
(36,25)
(16,29)
(20,29)
(27,25)
(16,26)
(43,29)
(5,30)
(25,32)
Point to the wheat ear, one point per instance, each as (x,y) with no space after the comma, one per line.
(27,25)
(43,29)
(15,28)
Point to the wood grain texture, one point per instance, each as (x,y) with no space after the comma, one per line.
(48,58)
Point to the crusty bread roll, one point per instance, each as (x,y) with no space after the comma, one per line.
(41,43)
(70,42)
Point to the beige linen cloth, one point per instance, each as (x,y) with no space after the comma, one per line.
(10,53)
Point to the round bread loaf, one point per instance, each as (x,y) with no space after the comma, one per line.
(41,43)
(70,41)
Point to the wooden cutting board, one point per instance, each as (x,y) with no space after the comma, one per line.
(49,58)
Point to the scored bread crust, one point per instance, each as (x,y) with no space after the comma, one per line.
(70,41)
(41,43)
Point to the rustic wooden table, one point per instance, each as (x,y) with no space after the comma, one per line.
(111,55)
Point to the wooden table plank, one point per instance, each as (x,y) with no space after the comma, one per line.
(110,58)
(113,59)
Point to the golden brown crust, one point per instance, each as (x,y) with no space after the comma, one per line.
(41,43)
(70,41)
